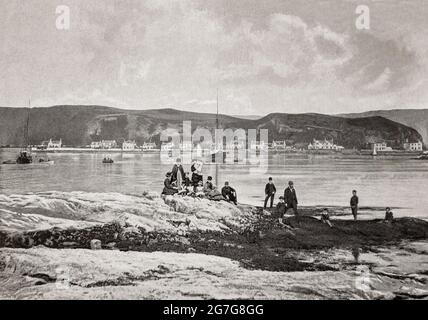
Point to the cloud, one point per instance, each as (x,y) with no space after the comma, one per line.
(382,82)
(262,56)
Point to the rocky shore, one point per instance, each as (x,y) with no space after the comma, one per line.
(185,242)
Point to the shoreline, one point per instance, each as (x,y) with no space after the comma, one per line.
(253,243)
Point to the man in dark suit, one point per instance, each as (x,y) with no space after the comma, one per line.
(354,204)
(229,193)
(270,191)
(290,197)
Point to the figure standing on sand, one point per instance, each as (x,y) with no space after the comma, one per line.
(290,197)
(354,204)
(270,191)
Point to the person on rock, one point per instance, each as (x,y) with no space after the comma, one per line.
(281,209)
(208,186)
(325,218)
(270,191)
(196,169)
(290,197)
(229,193)
(169,188)
(389,216)
(177,173)
(215,195)
(199,191)
(354,204)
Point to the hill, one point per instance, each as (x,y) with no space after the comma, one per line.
(415,118)
(79,125)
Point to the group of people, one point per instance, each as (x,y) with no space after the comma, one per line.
(288,202)
(177,181)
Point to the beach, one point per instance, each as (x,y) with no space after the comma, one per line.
(182,247)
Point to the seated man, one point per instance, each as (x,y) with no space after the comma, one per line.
(208,186)
(325,218)
(169,188)
(229,193)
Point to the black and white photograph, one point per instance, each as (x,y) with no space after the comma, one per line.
(213,150)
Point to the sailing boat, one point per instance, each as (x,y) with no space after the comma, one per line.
(24,156)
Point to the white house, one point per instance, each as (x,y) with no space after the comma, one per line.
(380,146)
(258,145)
(413,146)
(148,146)
(104,144)
(54,144)
(129,145)
(324,145)
(278,144)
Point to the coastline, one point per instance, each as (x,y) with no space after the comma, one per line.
(213,239)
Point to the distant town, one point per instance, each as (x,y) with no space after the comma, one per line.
(323,145)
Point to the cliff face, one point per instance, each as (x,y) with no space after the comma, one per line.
(79,125)
(415,118)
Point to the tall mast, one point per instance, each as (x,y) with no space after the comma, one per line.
(217,112)
(215,156)
(26,125)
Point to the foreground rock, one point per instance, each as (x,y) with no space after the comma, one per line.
(196,248)
(42,273)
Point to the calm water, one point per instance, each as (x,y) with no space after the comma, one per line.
(319,179)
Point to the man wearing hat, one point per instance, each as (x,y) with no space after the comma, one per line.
(281,209)
(208,186)
(270,191)
(229,193)
(290,197)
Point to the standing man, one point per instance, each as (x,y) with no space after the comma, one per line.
(354,204)
(270,193)
(290,197)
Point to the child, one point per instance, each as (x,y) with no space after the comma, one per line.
(281,208)
(389,216)
(325,218)
(354,204)
(199,192)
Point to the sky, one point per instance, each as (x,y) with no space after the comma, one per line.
(263,56)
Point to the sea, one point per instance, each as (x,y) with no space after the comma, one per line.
(399,182)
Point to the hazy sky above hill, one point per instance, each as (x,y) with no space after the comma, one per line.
(264,56)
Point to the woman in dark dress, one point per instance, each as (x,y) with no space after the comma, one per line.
(169,188)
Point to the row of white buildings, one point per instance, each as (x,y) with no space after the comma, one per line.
(324,145)
(408,146)
(128,145)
